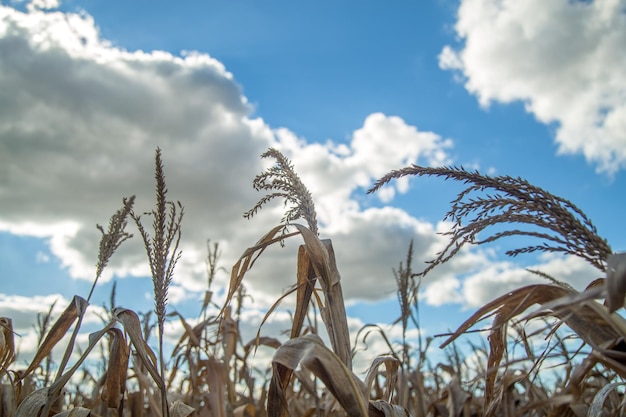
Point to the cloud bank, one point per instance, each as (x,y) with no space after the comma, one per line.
(80,120)
(563,59)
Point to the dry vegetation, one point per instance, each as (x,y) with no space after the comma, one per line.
(565,357)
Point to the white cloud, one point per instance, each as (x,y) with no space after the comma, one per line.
(442,291)
(333,172)
(81,119)
(42,5)
(563,59)
(42,258)
(498,278)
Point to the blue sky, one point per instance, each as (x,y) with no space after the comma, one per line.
(347,90)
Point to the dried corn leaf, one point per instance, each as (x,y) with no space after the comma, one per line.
(391,366)
(217,380)
(334,314)
(505,395)
(115,383)
(322,259)
(310,353)
(208,296)
(33,404)
(55,390)
(457,398)
(305,287)
(76,307)
(558,406)
(135,404)
(180,409)
(192,333)
(132,326)
(383,409)
(616,281)
(597,404)
(583,318)
(8,402)
(305,284)
(591,321)
(7,344)
(146,394)
(229,332)
(246,261)
(260,341)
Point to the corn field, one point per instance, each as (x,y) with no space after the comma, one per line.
(530,331)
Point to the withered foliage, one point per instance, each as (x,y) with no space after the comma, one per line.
(551,350)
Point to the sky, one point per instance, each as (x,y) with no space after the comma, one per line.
(347,91)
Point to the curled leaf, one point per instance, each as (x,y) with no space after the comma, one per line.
(7,344)
(33,404)
(310,353)
(180,409)
(597,405)
(132,325)
(391,365)
(115,383)
(383,409)
(76,307)
(616,281)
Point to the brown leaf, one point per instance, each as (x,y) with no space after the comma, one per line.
(8,400)
(616,281)
(456,397)
(146,395)
(322,259)
(310,353)
(585,318)
(383,409)
(261,341)
(132,326)
(180,409)
(391,366)
(335,312)
(7,344)
(217,380)
(55,391)
(117,369)
(193,333)
(228,329)
(246,261)
(597,405)
(57,332)
(33,404)
(305,284)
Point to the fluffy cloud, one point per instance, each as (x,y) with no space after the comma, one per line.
(563,59)
(500,277)
(81,120)
(42,5)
